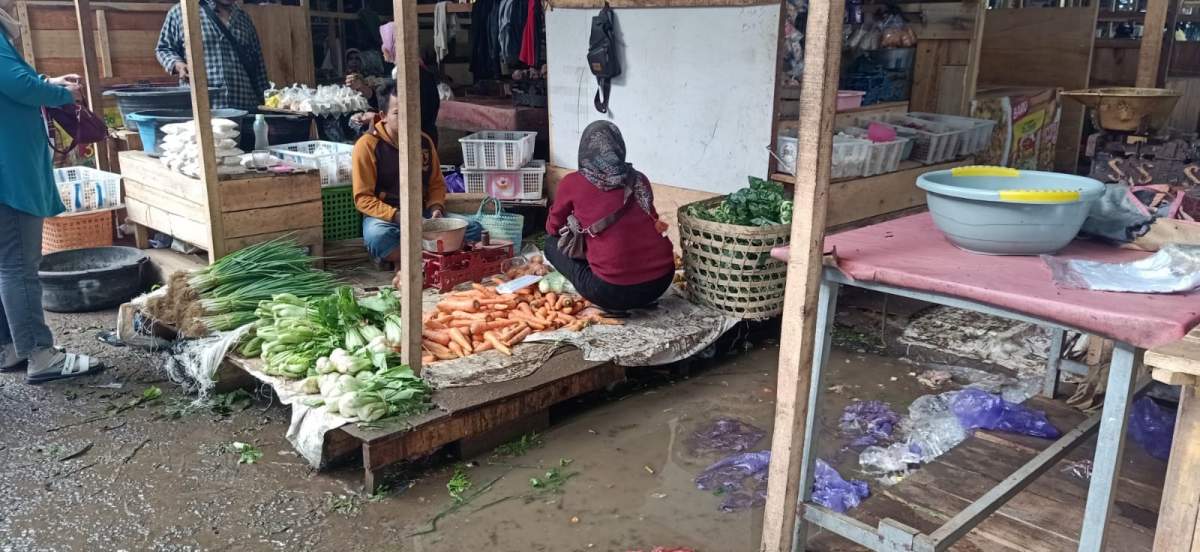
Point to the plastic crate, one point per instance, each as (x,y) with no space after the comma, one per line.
(882,157)
(931,142)
(849,155)
(524,184)
(77,230)
(497,150)
(340,218)
(977,133)
(333,159)
(87,189)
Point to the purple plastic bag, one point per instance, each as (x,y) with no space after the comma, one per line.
(729,476)
(1152,426)
(455,183)
(979,409)
(833,492)
(868,422)
(727,435)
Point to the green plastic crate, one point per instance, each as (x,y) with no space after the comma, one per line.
(342,221)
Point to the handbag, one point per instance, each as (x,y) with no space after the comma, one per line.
(572,237)
(80,123)
(602,55)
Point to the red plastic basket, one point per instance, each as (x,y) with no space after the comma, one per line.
(76,231)
(446,270)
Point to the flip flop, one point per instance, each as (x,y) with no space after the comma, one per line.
(69,365)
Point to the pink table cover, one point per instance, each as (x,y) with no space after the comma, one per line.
(910,252)
(472,114)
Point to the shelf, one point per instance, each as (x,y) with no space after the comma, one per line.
(1119,43)
(427,9)
(1120,16)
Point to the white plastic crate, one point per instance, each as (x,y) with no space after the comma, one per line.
(882,157)
(524,184)
(497,150)
(332,159)
(932,142)
(849,155)
(977,133)
(87,189)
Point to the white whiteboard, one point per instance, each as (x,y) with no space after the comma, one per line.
(694,101)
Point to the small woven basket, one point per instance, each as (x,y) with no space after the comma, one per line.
(76,231)
(501,225)
(729,267)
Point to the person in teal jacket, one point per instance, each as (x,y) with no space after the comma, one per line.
(27,196)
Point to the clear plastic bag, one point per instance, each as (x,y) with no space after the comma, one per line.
(1173,269)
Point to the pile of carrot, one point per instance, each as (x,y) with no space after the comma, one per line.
(481,319)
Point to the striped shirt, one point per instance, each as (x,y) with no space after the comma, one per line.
(236,89)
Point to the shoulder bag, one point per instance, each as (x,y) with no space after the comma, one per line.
(602,55)
(243,57)
(572,237)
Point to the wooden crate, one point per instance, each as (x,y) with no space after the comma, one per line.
(255,208)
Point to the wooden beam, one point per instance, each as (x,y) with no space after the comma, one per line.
(1177,517)
(26,33)
(91,73)
(408,139)
(597,4)
(102,44)
(971,79)
(1150,51)
(822,55)
(202,115)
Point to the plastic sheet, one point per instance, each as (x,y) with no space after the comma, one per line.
(980,409)
(1173,269)
(741,478)
(835,493)
(1152,426)
(868,422)
(727,435)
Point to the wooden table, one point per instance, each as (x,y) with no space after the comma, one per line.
(1179,516)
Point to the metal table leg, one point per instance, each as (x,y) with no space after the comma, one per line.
(1122,384)
(1053,361)
(826,309)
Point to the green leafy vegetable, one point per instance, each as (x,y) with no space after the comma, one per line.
(762,203)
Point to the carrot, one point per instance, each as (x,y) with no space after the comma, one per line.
(434,325)
(531,321)
(465,294)
(497,280)
(452,305)
(483,346)
(463,315)
(497,343)
(493,301)
(565,318)
(460,324)
(434,347)
(525,308)
(500,307)
(428,359)
(457,350)
(551,298)
(607,321)
(484,290)
(519,337)
(438,336)
(524,291)
(457,336)
(442,317)
(497,324)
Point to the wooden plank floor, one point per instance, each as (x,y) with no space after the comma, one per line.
(1046,516)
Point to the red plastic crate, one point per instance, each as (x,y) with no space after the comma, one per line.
(443,271)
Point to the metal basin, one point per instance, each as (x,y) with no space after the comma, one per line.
(443,235)
(1128,109)
(91,279)
(134,98)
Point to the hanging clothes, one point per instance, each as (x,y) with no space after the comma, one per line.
(529,37)
(440,45)
(508,53)
(484,62)
(516,30)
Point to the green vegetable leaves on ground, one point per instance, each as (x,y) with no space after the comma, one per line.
(762,203)
(459,484)
(247,453)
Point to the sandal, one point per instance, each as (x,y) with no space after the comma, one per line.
(62,365)
(10,361)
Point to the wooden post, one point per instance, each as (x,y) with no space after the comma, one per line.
(1150,51)
(202,115)
(822,55)
(91,72)
(408,140)
(103,44)
(26,33)
(973,50)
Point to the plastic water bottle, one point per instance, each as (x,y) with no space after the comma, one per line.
(260,133)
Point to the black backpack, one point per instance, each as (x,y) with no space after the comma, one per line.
(602,55)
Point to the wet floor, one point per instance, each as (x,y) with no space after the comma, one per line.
(84,466)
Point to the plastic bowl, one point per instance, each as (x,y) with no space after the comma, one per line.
(149,122)
(91,279)
(1000,211)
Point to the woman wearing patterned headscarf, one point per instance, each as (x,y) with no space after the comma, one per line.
(629,262)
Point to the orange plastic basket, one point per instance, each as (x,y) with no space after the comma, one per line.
(75,231)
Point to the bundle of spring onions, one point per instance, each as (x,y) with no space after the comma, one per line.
(231,288)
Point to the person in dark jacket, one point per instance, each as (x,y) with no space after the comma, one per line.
(631,262)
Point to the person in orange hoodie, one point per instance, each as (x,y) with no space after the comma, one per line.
(376,161)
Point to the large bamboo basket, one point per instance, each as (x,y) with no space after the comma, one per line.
(729,267)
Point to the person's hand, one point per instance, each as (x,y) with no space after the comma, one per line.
(72,82)
(436,213)
(355,82)
(181,70)
(363,120)
(397,220)
(397,283)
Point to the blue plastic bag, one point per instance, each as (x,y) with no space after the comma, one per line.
(979,409)
(868,422)
(1152,426)
(835,493)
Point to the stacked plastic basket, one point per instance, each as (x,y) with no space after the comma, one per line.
(90,196)
(340,219)
(500,164)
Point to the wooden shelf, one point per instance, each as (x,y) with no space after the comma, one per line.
(1120,16)
(427,9)
(1119,43)
(855,199)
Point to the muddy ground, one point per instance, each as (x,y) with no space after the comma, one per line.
(84,466)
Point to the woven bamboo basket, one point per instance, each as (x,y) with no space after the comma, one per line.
(729,267)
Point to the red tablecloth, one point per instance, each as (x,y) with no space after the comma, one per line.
(472,114)
(911,253)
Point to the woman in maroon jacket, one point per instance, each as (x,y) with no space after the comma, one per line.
(631,262)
